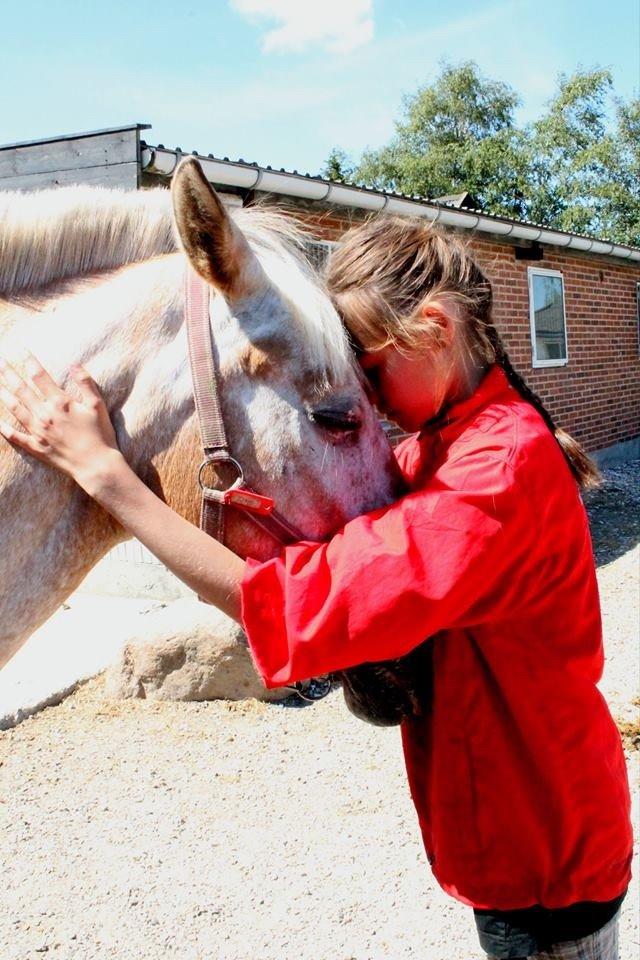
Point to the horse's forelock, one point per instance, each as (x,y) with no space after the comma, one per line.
(278,242)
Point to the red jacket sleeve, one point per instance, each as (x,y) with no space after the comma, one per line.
(436,559)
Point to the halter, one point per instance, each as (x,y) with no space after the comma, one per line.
(237,495)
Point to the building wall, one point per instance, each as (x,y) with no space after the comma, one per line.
(107,158)
(596,396)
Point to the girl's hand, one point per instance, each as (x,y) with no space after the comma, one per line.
(76,436)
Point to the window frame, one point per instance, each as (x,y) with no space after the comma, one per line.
(327,245)
(535,362)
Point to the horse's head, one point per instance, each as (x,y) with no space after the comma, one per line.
(295,410)
(111,299)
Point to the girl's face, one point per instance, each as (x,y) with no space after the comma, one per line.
(409,389)
(412,386)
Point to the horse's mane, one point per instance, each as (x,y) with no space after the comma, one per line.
(50,236)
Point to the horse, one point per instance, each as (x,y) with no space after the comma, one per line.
(95,277)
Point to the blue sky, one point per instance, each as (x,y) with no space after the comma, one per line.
(282,81)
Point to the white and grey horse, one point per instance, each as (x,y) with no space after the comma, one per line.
(94,277)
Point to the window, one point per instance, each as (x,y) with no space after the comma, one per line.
(318,251)
(546,313)
(638,312)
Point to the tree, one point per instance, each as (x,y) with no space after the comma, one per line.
(456,134)
(337,166)
(577,168)
(584,169)
(621,213)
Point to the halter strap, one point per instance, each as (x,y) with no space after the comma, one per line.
(205,391)
(214,439)
(216,450)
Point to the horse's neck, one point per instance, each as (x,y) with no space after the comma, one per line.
(127,330)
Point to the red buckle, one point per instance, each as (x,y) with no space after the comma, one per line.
(248,500)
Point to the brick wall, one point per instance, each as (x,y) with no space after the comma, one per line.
(596,396)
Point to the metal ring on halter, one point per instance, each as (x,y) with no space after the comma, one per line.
(220,456)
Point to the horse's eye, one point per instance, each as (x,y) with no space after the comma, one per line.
(336,421)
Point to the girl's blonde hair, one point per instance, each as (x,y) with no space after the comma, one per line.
(389,269)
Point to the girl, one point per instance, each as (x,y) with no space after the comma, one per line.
(517,771)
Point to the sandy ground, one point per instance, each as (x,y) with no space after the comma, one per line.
(238,831)
(80,640)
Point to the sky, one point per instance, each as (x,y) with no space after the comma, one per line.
(281,82)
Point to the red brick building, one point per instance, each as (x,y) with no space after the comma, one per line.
(567,305)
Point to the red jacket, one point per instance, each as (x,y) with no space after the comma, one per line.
(517,774)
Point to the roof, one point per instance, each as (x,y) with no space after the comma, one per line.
(446,210)
(455,210)
(76,136)
(458,200)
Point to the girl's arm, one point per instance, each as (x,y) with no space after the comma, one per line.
(204,564)
(77,437)
(458,552)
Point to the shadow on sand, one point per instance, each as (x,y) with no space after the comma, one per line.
(614,512)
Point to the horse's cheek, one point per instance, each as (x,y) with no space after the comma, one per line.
(172,475)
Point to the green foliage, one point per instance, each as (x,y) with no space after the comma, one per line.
(622,191)
(577,168)
(587,166)
(337,166)
(457,134)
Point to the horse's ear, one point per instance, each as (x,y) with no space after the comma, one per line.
(213,244)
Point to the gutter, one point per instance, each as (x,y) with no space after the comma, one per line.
(252,177)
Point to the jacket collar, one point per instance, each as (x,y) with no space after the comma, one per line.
(494,386)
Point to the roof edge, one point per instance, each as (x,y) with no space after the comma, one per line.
(76,136)
(251,176)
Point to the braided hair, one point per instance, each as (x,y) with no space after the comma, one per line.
(582,466)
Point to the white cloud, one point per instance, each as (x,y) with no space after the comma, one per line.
(337,25)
